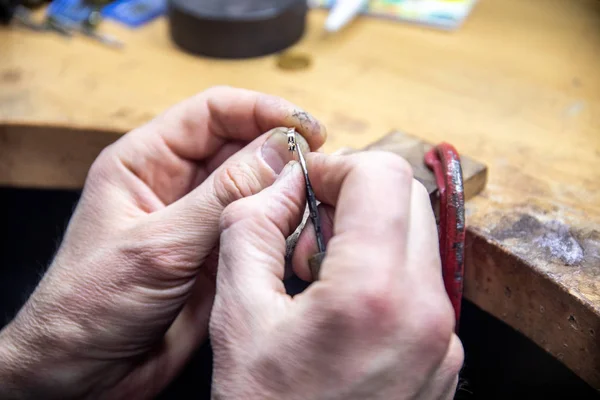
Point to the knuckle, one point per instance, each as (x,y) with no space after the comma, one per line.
(374,162)
(432,324)
(455,358)
(377,305)
(235,181)
(100,166)
(236,212)
(420,190)
(400,166)
(271,211)
(285,202)
(258,210)
(369,308)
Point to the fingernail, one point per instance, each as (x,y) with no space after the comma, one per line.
(275,151)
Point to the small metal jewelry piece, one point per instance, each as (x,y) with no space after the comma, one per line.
(291,138)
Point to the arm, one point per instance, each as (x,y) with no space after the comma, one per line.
(377,324)
(127,299)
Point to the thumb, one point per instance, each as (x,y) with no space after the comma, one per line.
(252,249)
(191,224)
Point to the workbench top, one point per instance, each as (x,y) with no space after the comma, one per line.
(517,88)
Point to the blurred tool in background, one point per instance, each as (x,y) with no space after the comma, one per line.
(228,28)
(440,14)
(134,13)
(82,16)
(236,28)
(10,9)
(342,12)
(68,17)
(18,11)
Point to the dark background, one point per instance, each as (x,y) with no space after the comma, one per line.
(500,362)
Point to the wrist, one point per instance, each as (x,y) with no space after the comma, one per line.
(12,366)
(38,362)
(21,367)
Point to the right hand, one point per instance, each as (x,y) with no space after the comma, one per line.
(377,325)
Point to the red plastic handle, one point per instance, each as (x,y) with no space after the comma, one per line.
(444,161)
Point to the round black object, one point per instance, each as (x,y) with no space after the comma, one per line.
(236,28)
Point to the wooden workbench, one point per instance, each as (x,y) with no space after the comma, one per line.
(517,87)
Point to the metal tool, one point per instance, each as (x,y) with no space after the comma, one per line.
(315,261)
(14,10)
(81,16)
(444,161)
(89,26)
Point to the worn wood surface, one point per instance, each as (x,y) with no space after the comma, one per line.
(501,270)
(517,87)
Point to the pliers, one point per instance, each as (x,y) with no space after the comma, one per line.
(444,161)
(315,261)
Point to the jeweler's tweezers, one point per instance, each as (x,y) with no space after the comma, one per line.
(315,261)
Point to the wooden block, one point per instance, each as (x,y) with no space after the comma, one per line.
(413,150)
(508,258)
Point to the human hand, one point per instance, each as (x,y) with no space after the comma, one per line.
(127,298)
(377,324)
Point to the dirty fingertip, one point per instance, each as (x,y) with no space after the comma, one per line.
(314,131)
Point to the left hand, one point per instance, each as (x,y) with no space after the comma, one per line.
(128,297)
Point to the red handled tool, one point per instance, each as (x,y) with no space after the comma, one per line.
(444,161)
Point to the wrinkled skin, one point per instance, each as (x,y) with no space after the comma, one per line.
(378,323)
(128,297)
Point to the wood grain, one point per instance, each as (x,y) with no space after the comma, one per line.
(517,88)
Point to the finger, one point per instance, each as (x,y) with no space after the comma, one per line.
(344,151)
(306,246)
(192,223)
(226,113)
(444,380)
(165,154)
(450,392)
(251,260)
(424,236)
(423,253)
(372,195)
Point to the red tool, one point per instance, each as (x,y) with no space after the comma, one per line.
(444,161)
